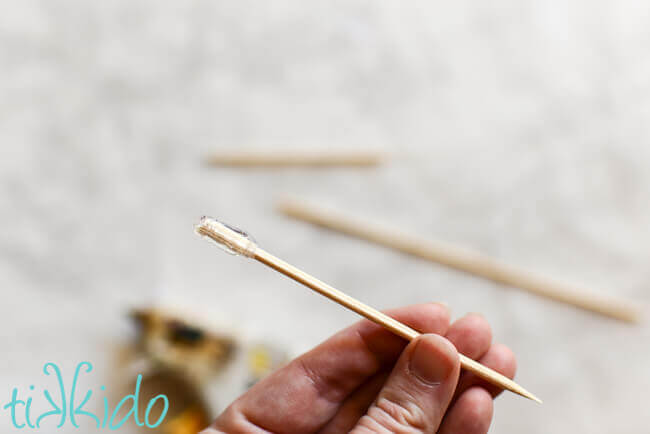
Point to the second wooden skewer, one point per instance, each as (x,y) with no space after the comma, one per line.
(313,159)
(463,260)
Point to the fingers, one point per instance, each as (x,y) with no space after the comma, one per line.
(418,391)
(472,408)
(470,414)
(499,358)
(304,395)
(471,335)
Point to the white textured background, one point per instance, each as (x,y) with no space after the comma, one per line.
(519,127)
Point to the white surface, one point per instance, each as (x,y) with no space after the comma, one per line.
(519,128)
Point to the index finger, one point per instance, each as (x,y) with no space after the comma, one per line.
(308,391)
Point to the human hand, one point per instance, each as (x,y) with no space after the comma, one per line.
(365,379)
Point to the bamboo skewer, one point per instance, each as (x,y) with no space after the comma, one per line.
(296,159)
(237,242)
(463,260)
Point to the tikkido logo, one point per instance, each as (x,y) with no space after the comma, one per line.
(66,407)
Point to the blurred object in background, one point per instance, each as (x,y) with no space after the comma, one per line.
(186,357)
(296,158)
(174,341)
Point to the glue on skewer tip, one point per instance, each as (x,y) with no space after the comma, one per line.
(228,238)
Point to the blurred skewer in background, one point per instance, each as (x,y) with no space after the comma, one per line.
(461,259)
(296,158)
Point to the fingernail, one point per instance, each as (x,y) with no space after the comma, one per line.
(432,359)
(209,431)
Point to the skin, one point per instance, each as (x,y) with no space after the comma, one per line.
(364,379)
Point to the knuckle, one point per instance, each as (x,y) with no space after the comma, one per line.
(398,417)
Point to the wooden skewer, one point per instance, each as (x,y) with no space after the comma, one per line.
(237,242)
(460,259)
(296,159)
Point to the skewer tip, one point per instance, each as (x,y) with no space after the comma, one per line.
(532,397)
(516,388)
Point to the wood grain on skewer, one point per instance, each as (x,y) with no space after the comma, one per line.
(236,243)
(464,260)
(326,158)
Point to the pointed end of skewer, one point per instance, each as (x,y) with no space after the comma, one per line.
(496,378)
(516,388)
(532,397)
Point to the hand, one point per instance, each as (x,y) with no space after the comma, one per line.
(364,379)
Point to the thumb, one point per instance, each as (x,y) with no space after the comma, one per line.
(416,395)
